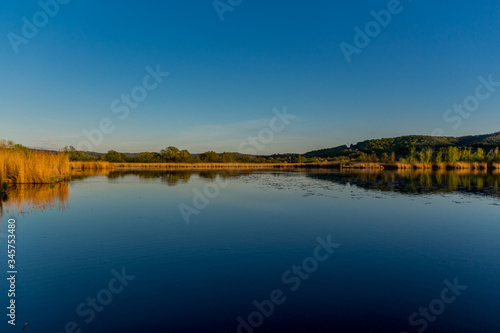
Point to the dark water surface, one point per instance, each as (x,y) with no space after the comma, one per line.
(408,252)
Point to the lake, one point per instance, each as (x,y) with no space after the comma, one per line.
(257,251)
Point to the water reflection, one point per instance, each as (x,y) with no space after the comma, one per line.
(23,199)
(26,198)
(171,177)
(402,181)
(419,182)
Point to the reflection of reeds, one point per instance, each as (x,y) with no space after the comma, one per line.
(26,198)
(23,166)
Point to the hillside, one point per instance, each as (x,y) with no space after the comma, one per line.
(401,145)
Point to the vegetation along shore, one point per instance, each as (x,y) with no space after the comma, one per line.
(21,165)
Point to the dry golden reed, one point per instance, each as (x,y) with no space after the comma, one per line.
(361,166)
(196,165)
(23,166)
(216,165)
(82,166)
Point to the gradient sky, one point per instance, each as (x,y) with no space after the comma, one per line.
(227,76)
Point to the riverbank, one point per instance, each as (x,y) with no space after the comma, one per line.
(84,166)
(24,166)
(81,166)
(19,165)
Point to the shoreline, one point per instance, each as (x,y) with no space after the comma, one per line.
(322,165)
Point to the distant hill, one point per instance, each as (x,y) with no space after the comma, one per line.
(402,145)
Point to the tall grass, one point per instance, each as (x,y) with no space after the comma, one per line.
(437,166)
(83,166)
(195,165)
(218,165)
(467,166)
(24,166)
(361,165)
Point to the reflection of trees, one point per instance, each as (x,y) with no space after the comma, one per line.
(171,177)
(174,177)
(27,198)
(415,182)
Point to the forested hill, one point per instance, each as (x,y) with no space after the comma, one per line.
(401,146)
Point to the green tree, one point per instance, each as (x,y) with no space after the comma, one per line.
(425,155)
(114,157)
(479,155)
(185,156)
(209,156)
(385,158)
(453,155)
(227,157)
(412,155)
(170,154)
(146,157)
(299,159)
(438,157)
(465,155)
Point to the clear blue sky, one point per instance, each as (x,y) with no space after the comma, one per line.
(227,76)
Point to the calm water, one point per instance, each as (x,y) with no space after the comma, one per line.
(395,238)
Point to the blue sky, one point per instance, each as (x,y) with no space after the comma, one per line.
(226,77)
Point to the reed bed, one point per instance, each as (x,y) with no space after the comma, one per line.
(467,166)
(398,166)
(326,165)
(437,166)
(82,166)
(23,166)
(196,165)
(422,166)
(377,166)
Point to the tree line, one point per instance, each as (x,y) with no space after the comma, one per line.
(174,155)
(430,155)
